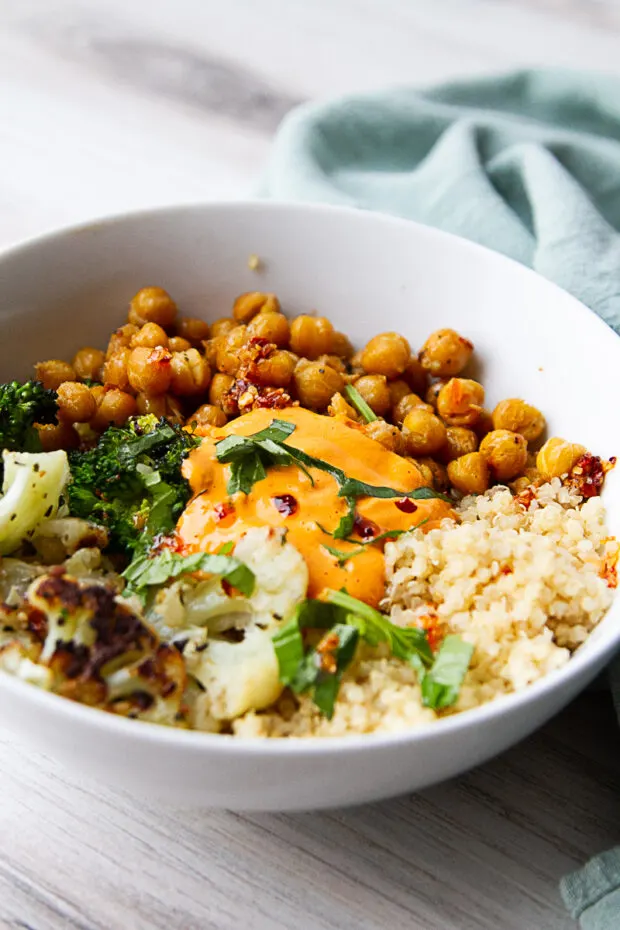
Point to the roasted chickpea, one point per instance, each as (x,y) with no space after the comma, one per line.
(316,384)
(115,407)
(459,402)
(445,353)
(557,457)
(386,354)
(270,326)
(55,436)
(460,441)
(338,407)
(416,376)
(121,338)
(275,370)
(222,326)
(505,452)
(432,392)
(437,471)
(517,416)
(227,354)
(529,477)
(179,344)
(192,329)
(152,305)
(398,389)
(341,345)
(87,363)
(210,347)
(423,432)
(76,404)
(246,306)
(469,474)
(115,369)
(375,391)
(52,373)
(483,425)
(405,404)
(208,415)
(161,405)
(220,386)
(355,363)
(388,435)
(311,336)
(150,335)
(190,373)
(334,361)
(149,370)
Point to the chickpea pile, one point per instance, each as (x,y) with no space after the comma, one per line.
(190,371)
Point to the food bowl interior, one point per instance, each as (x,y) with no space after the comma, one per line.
(366,273)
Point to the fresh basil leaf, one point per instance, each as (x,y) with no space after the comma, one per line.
(315,673)
(375,627)
(289,648)
(146,572)
(442,682)
(318,614)
(342,556)
(278,431)
(244,473)
(427,494)
(232,447)
(360,404)
(302,458)
(325,693)
(347,522)
(128,451)
(351,487)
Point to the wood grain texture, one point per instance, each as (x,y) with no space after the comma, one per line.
(478,853)
(112,105)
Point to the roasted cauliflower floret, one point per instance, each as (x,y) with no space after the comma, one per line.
(151,689)
(236,676)
(15,660)
(280,571)
(33,484)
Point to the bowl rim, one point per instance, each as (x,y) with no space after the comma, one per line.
(581,663)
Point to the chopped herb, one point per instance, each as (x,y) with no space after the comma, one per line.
(250,456)
(360,404)
(343,556)
(144,572)
(376,628)
(318,672)
(289,647)
(441,684)
(346,523)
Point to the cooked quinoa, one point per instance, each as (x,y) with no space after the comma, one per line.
(524,580)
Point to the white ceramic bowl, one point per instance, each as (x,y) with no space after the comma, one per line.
(368,274)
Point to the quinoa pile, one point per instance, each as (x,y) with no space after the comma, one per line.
(523,579)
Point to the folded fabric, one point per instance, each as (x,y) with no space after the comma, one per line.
(527,164)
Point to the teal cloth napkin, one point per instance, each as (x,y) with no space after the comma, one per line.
(527,164)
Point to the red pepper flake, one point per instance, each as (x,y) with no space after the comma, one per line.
(365,528)
(432,627)
(587,476)
(285,504)
(406,505)
(326,649)
(223,510)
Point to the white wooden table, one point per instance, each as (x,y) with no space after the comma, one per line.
(108,105)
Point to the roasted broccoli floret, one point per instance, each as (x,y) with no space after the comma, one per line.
(21,406)
(131,482)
